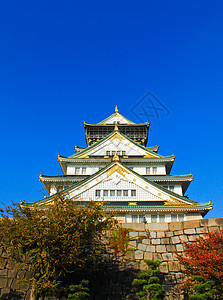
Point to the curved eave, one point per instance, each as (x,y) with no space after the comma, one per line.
(112,125)
(109,135)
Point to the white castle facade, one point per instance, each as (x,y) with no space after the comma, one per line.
(118,168)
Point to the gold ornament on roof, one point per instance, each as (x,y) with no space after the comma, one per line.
(116,109)
(116,127)
(115,157)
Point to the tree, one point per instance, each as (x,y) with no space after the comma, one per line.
(149,283)
(203,261)
(79,291)
(59,239)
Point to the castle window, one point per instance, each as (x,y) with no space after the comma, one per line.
(161,218)
(171,188)
(148,170)
(77,170)
(105,193)
(108,153)
(97,193)
(154,170)
(119,193)
(119,153)
(84,170)
(174,218)
(181,217)
(125,193)
(113,153)
(135,219)
(112,193)
(123,153)
(133,193)
(153,218)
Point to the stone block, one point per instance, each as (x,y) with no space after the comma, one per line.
(2,263)
(133,234)
(173,266)
(142,247)
(164,267)
(157,226)
(175,226)
(191,224)
(134,226)
(193,237)
(143,265)
(178,232)
(179,247)
(3,283)
(190,231)
(169,233)
(167,256)
(146,241)
(201,229)
(151,248)
(171,248)
(204,222)
(138,254)
(155,241)
(3,272)
(152,234)
(157,256)
(148,255)
(132,244)
(175,240)
(160,234)
(219,221)
(165,241)
(183,238)
(160,248)
(4,292)
(213,228)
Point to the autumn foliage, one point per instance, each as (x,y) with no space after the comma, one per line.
(203,261)
(59,240)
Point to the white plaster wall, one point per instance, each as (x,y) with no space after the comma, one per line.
(141,194)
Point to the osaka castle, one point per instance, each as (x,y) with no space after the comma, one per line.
(118,168)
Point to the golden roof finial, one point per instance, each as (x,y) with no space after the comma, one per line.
(116,109)
(115,157)
(116,127)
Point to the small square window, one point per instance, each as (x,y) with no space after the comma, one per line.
(181,218)
(123,153)
(153,218)
(141,219)
(155,170)
(108,153)
(171,188)
(162,218)
(119,153)
(77,170)
(84,170)
(173,218)
(97,193)
(113,153)
(134,219)
(133,193)
(148,170)
(125,193)
(105,193)
(112,193)
(119,193)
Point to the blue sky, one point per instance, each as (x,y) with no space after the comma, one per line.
(65,62)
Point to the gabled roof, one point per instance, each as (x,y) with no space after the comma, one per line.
(112,135)
(116,115)
(162,193)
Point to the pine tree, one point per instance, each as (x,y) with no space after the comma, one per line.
(149,283)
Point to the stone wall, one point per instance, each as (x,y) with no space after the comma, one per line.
(156,241)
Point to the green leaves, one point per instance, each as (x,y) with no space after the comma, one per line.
(59,239)
(148,282)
